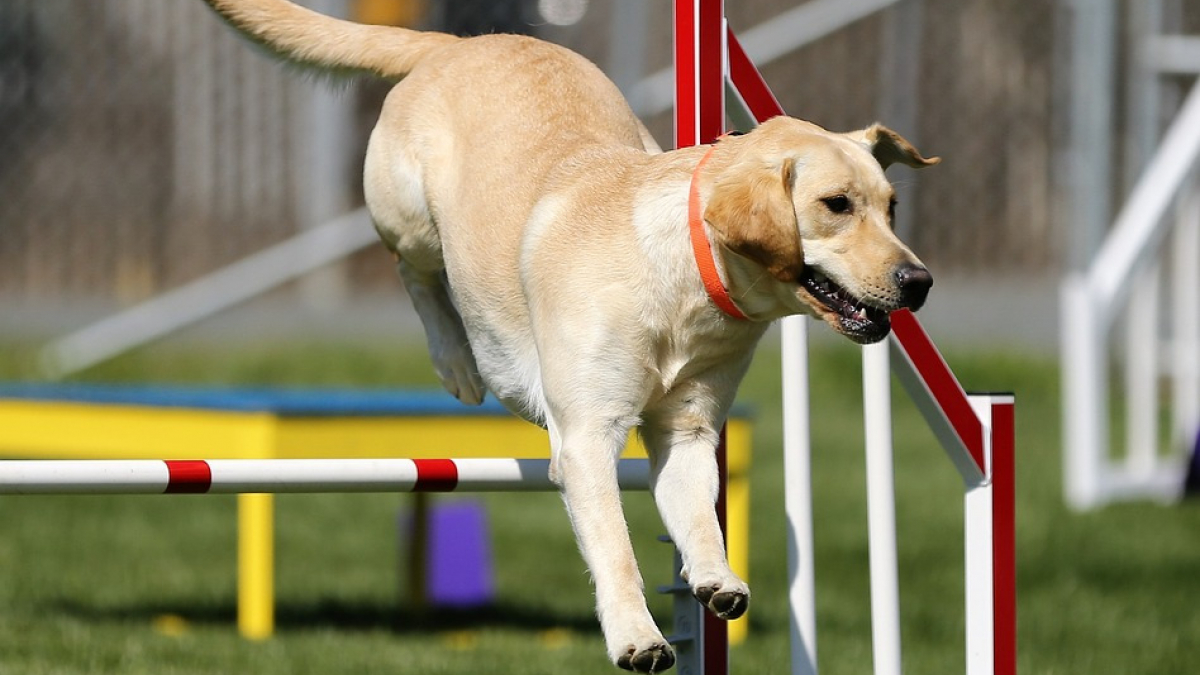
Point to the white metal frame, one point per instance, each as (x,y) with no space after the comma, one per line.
(1130,263)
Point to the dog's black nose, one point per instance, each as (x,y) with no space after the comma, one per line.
(914,282)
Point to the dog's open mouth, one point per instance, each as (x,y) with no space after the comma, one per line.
(853,317)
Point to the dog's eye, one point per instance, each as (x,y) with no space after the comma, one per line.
(892,210)
(837,203)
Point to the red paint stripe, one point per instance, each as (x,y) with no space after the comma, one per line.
(685,73)
(188,477)
(750,83)
(941,383)
(711,72)
(1004,538)
(716,644)
(436,475)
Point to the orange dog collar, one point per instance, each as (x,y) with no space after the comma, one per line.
(702,249)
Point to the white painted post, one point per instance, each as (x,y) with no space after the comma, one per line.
(1141,376)
(797,471)
(881,510)
(978,537)
(1085,396)
(1185,313)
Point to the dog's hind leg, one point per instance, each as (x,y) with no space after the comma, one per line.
(396,200)
(444,333)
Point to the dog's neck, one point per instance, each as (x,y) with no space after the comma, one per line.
(739,286)
(759,295)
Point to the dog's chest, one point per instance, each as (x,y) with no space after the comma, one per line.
(701,350)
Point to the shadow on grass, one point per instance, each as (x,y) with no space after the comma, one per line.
(351,616)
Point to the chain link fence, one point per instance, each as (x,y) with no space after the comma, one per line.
(142,144)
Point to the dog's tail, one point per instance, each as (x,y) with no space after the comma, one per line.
(312,39)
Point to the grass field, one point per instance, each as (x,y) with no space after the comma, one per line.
(136,585)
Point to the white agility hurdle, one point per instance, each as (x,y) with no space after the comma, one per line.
(714,78)
(700,640)
(278,476)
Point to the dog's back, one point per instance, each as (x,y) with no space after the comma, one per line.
(464,146)
(483,128)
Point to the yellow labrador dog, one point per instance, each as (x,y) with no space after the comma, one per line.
(547,245)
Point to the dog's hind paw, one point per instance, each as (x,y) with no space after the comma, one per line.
(465,386)
(656,658)
(456,368)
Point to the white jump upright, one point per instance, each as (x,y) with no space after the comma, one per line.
(976,432)
(881,510)
(798,502)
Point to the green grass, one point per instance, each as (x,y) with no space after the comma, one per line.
(147,584)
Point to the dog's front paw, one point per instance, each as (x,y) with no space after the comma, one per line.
(727,600)
(653,658)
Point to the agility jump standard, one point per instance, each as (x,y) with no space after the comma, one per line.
(715,78)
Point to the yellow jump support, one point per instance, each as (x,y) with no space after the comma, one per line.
(256,564)
(110,422)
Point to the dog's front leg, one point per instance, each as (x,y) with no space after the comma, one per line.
(682,442)
(586,468)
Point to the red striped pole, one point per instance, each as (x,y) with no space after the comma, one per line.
(237,476)
(699,71)
(700,68)
(1004,535)
(686,89)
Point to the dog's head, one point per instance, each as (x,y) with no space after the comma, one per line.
(803,218)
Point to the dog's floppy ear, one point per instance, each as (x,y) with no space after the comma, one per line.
(751,210)
(890,148)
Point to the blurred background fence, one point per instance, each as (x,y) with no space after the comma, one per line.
(143,145)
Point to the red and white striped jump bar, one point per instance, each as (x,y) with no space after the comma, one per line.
(231,476)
